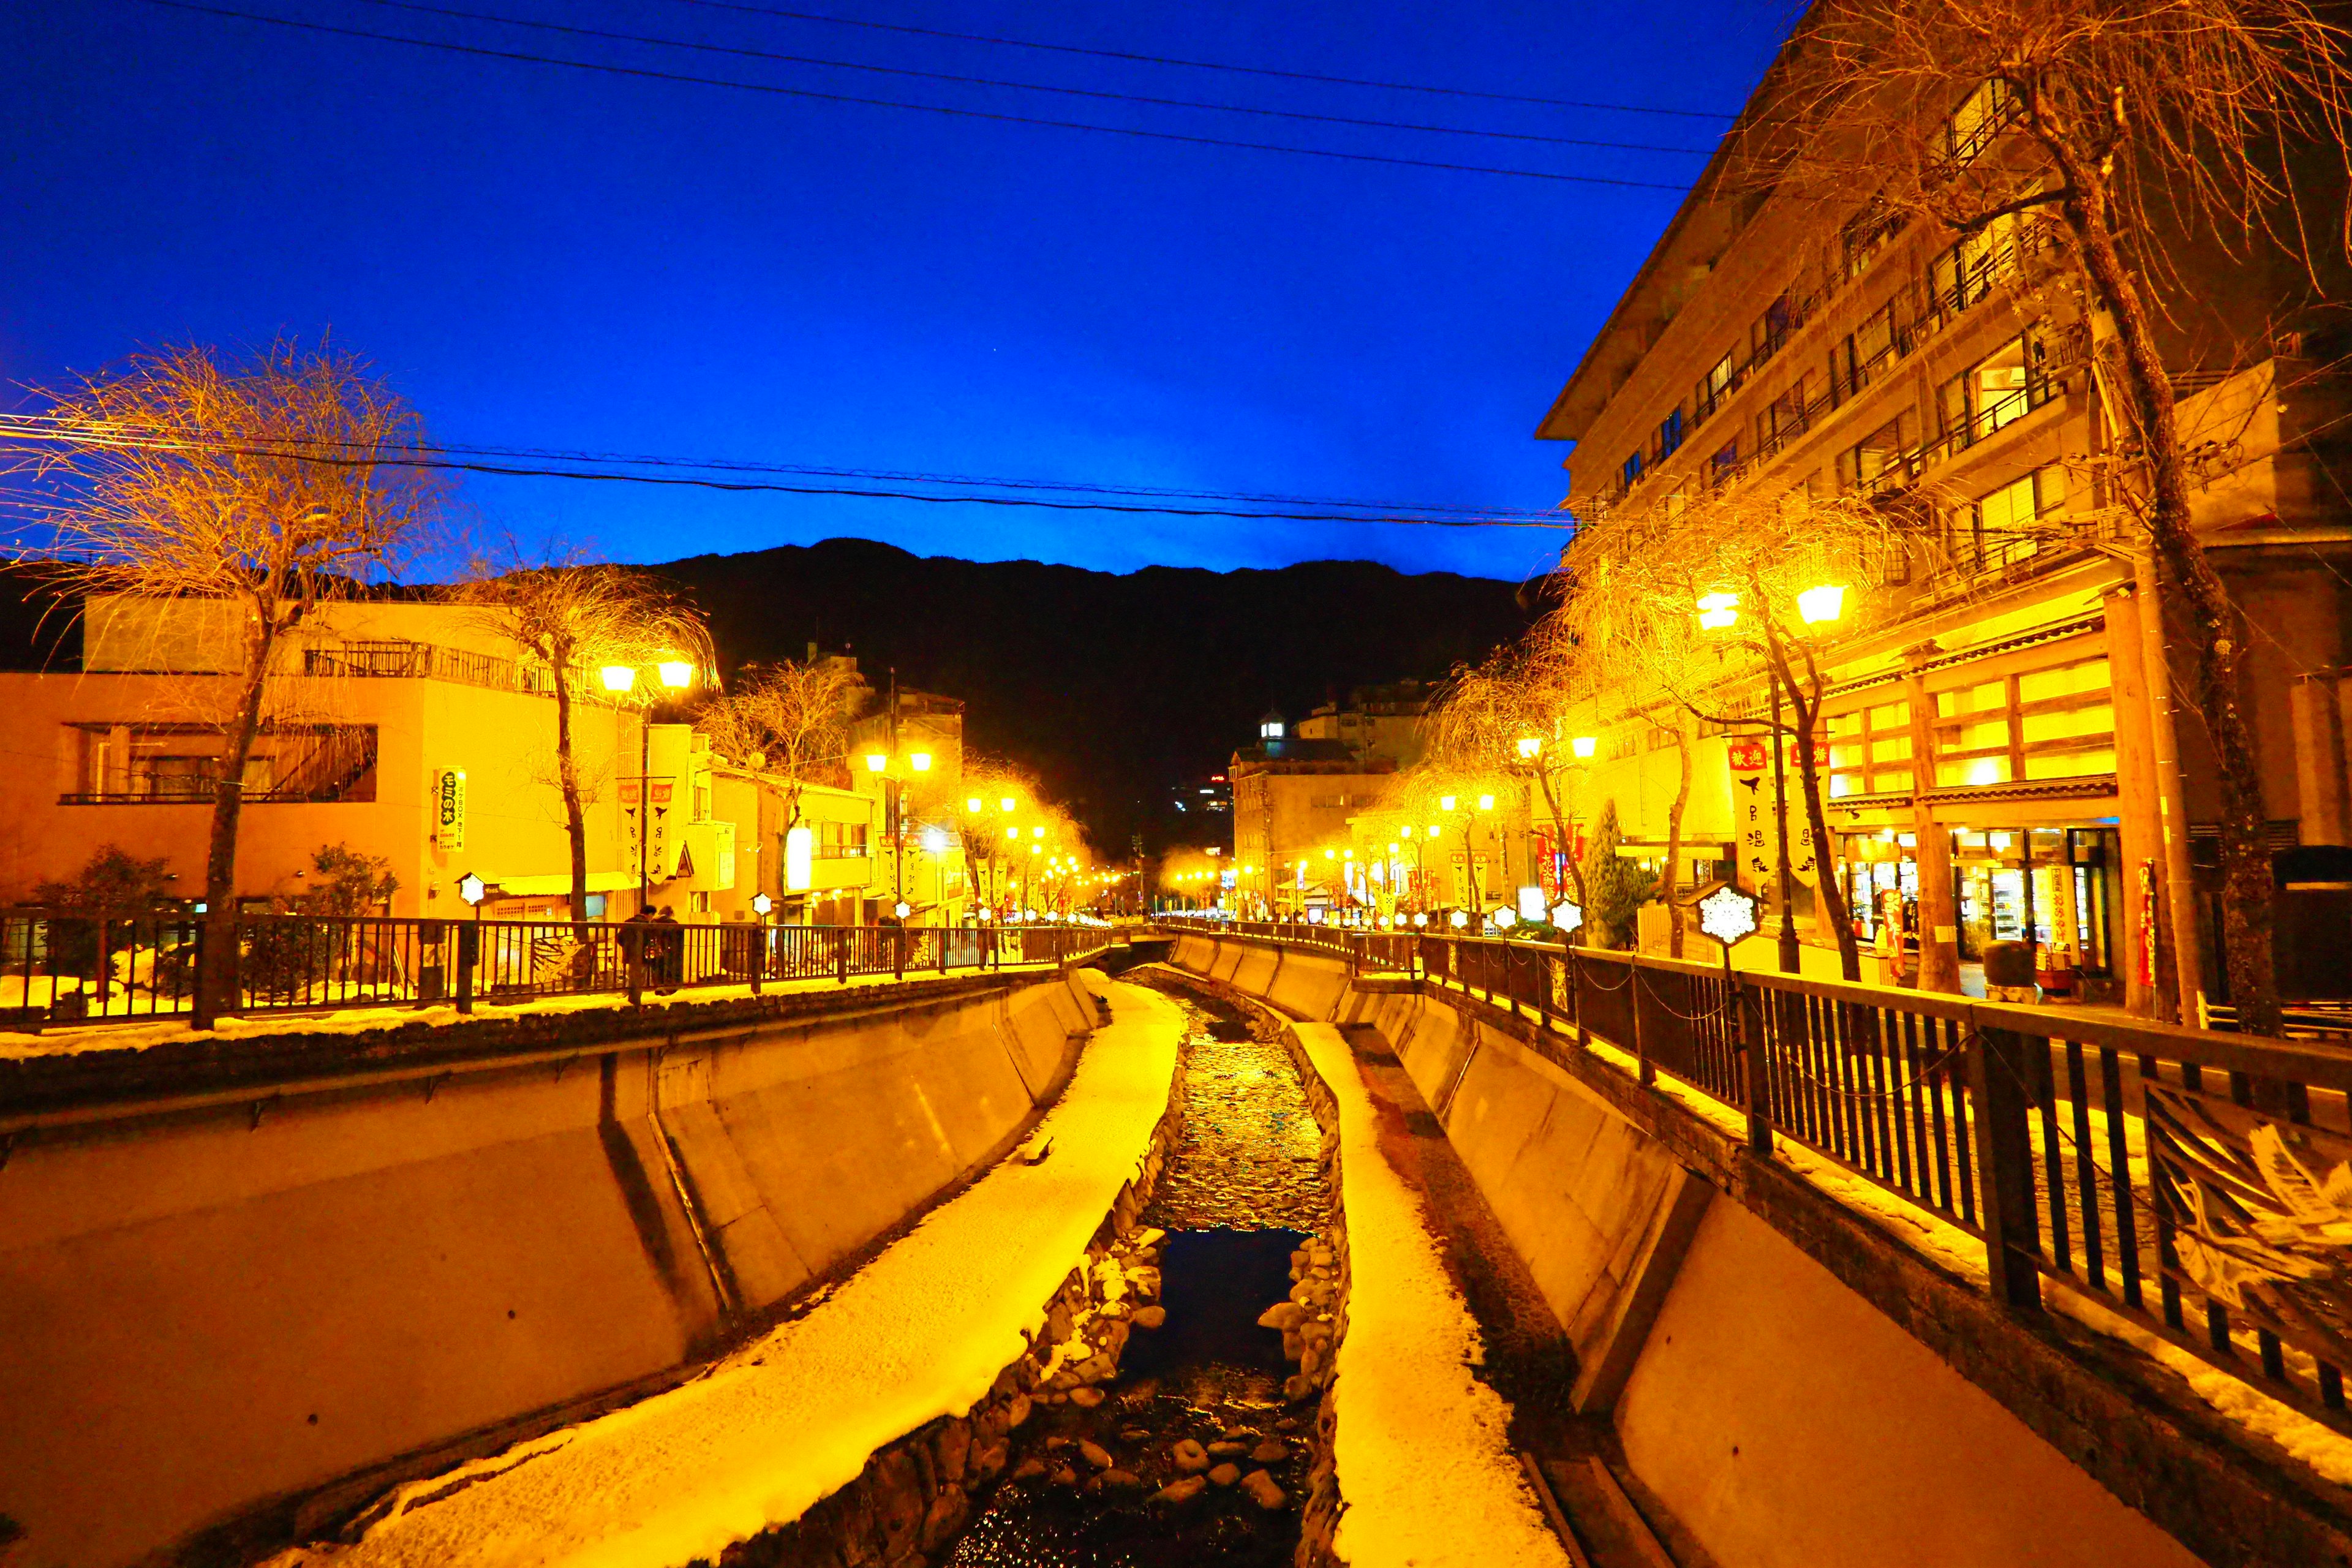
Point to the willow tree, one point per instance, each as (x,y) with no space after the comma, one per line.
(1638,586)
(268,483)
(573,620)
(790,720)
(2118,132)
(1484,713)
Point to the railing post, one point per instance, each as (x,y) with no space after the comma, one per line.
(841,951)
(1649,1073)
(759,953)
(470,953)
(1754,1066)
(633,951)
(2004,1160)
(943,950)
(898,952)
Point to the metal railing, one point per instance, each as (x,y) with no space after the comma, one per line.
(2174,1176)
(72,967)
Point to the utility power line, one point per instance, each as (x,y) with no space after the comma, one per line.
(648,73)
(659,41)
(743,478)
(1209,65)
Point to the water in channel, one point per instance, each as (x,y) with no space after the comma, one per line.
(1242,1190)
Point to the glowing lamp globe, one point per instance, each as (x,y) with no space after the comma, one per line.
(1461,918)
(920,762)
(1446,802)
(618,677)
(1530,745)
(1503,916)
(1718,611)
(676,673)
(1584,746)
(472,887)
(875,761)
(1816,606)
(902,909)
(1729,914)
(1568,915)
(1420,919)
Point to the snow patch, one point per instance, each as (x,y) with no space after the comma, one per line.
(919,1332)
(1427,1475)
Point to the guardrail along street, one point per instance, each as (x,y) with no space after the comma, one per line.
(2181,1178)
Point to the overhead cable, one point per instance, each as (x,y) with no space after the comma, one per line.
(659,42)
(648,74)
(1208,64)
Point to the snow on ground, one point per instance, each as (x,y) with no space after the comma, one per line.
(920,1331)
(129,1036)
(1426,1470)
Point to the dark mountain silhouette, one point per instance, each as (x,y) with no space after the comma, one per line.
(1113,688)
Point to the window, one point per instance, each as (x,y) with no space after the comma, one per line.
(1713,387)
(1857,359)
(1772,329)
(2005,524)
(1725,463)
(1870,751)
(1979,117)
(2057,721)
(1880,458)
(162,763)
(1865,234)
(841,841)
(1631,473)
(1784,417)
(1668,438)
(2005,386)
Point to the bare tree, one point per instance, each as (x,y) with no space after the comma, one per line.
(271,482)
(2116,131)
(786,718)
(572,619)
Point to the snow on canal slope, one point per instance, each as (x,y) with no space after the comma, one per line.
(920,1331)
(1425,1465)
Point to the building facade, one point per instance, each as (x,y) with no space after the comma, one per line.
(2000,705)
(1292,799)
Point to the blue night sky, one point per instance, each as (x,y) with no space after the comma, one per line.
(548,257)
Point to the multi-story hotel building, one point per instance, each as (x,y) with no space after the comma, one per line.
(2000,691)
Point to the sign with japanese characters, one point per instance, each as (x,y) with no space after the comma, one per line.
(450,809)
(1755,807)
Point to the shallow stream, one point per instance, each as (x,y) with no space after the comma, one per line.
(1242,1190)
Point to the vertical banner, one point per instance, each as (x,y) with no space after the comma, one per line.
(450,809)
(1756,813)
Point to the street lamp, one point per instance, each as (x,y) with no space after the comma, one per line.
(670,675)
(1819,605)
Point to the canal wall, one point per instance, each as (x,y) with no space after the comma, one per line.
(242,1314)
(1785,1418)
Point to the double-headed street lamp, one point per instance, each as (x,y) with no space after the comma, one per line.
(1823,606)
(620,679)
(1531,749)
(894,767)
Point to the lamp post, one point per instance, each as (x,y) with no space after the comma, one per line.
(1816,607)
(893,766)
(671,675)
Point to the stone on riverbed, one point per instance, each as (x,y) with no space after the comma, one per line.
(1263,1490)
(1270,1452)
(1095,1454)
(1283,1315)
(1225,1475)
(1191,1457)
(1149,1317)
(1086,1398)
(1185,1490)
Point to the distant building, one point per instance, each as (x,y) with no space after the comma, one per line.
(1206,801)
(407,731)
(1382,721)
(1292,798)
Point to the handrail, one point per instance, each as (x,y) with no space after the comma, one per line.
(77,967)
(2162,1209)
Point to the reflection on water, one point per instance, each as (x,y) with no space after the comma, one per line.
(1242,1190)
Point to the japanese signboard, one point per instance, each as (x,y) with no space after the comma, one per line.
(1755,807)
(450,809)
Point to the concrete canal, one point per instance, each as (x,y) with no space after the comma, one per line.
(1200,1450)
